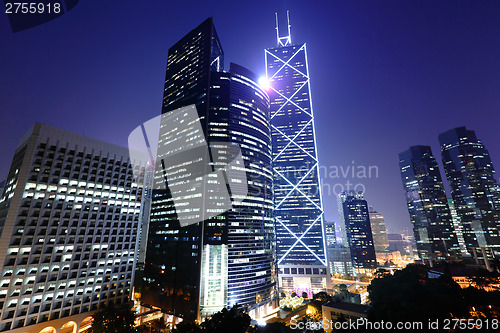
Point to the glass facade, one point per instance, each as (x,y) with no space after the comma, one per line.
(427,205)
(207,251)
(356,230)
(298,209)
(474,189)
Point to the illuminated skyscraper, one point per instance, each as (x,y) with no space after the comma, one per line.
(474,189)
(379,231)
(356,230)
(298,209)
(427,205)
(70,218)
(207,251)
(458,227)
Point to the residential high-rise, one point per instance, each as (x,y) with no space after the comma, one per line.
(379,230)
(427,205)
(69,215)
(474,189)
(298,209)
(356,230)
(207,250)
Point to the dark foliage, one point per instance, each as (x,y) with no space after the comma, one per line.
(114,319)
(410,295)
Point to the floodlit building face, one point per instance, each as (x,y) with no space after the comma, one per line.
(379,231)
(427,205)
(207,251)
(356,230)
(69,217)
(458,227)
(474,189)
(298,210)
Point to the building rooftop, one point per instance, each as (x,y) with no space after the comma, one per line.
(347,306)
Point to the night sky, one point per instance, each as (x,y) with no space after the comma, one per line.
(385,75)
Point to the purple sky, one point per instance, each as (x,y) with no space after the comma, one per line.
(385,75)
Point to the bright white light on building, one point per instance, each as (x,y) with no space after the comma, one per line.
(264,83)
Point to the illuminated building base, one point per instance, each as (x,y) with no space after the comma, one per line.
(72,324)
(213,279)
(264,309)
(309,279)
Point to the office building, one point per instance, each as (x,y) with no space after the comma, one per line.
(427,205)
(340,261)
(403,245)
(356,230)
(330,235)
(209,248)
(339,257)
(298,209)
(458,227)
(379,231)
(70,217)
(475,191)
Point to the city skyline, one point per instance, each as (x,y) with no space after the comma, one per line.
(370,69)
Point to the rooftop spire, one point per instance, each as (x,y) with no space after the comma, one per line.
(285,40)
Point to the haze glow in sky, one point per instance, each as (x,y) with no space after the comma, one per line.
(385,75)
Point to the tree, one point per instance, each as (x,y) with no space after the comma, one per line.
(322,297)
(233,320)
(410,295)
(187,327)
(114,319)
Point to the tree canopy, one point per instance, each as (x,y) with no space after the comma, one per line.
(410,295)
(114,319)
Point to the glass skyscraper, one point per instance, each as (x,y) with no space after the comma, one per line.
(474,189)
(427,205)
(356,230)
(205,250)
(298,209)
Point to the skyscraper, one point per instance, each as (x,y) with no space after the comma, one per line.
(356,230)
(70,217)
(458,227)
(298,209)
(427,205)
(379,231)
(207,251)
(339,257)
(474,189)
